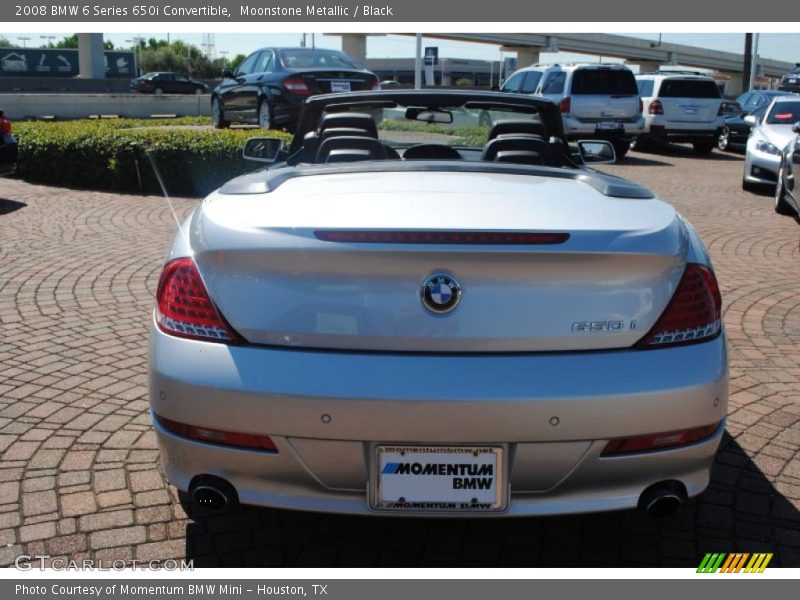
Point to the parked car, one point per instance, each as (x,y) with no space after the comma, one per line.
(492,329)
(8,146)
(681,107)
(596,100)
(770,135)
(791,81)
(736,131)
(164,82)
(270,85)
(787,191)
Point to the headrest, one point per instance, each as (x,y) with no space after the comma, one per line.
(512,126)
(537,150)
(342,149)
(349,119)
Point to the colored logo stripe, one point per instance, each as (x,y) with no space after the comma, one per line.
(733,563)
(390,468)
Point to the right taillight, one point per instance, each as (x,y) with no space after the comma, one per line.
(565,105)
(655,108)
(693,314)
(184,307)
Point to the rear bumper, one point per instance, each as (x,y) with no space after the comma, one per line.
(325,411)
(685,132)
(576,129)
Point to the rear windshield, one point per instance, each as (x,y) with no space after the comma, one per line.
(784,113)
(306,58)
(616,82)
(689,88)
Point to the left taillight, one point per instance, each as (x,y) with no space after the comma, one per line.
(693,314)
(296,85)
(185,309)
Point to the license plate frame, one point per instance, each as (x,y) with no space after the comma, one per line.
(492,500)
(609,126)
(340,87)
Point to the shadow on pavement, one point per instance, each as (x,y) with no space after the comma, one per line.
(685,151)
(741,511)
(9,206)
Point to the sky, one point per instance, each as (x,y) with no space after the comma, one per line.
(780,46)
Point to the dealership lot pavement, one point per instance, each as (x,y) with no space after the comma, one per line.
(78,459)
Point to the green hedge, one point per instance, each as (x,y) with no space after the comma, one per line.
(112,154)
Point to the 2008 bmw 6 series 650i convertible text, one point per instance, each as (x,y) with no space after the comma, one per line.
(410,313)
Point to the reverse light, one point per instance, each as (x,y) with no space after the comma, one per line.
(184,307)
(219,437)
(659,441)
(296,85)
(693,314)
(565,105)
(655,108)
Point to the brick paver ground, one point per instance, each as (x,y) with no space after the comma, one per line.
(78,461)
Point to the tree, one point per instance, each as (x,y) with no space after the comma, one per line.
(6,43)
(71,41)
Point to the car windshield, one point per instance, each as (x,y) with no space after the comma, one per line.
(604,81)
(784,113)
(307,58)
(689,88)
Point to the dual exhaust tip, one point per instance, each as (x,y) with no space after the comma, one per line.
(213,494)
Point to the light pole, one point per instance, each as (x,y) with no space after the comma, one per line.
(224,54)
(48,38)
(23,40)
(135,41)
(418,64)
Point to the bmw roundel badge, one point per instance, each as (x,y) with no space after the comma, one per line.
(440,293)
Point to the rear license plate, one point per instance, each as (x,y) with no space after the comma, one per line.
(439,479)
(340,86)
(609,127)
(690,110)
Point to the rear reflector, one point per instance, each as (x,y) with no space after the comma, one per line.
(659,441)
(184,307)
(217,436)
(693,314)
(440,237)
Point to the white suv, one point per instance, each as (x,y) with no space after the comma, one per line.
(596,100)
(681,107)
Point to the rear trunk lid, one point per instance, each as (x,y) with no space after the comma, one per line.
(277,283)
(690,100)
(601,94)
(334,81)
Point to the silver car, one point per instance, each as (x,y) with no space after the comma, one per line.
(471,322)
(768,137)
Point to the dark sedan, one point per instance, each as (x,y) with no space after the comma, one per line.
(8,146)
(791,81)
(787,192)
(736,131)
(269,86)
(167,83)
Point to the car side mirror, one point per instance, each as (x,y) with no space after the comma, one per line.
(750,120)
(796,128)
(263,149)
(227,74)
(598,152)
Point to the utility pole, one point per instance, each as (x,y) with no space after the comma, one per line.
(754,63)
(418,64)
(748,61)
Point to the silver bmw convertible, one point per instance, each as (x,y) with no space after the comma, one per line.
(406,312)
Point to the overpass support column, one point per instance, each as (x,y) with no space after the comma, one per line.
(91,59)
(526,56)
(646,66)
(355,46)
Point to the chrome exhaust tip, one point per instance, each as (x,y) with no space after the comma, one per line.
(663,499)
(213,494)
